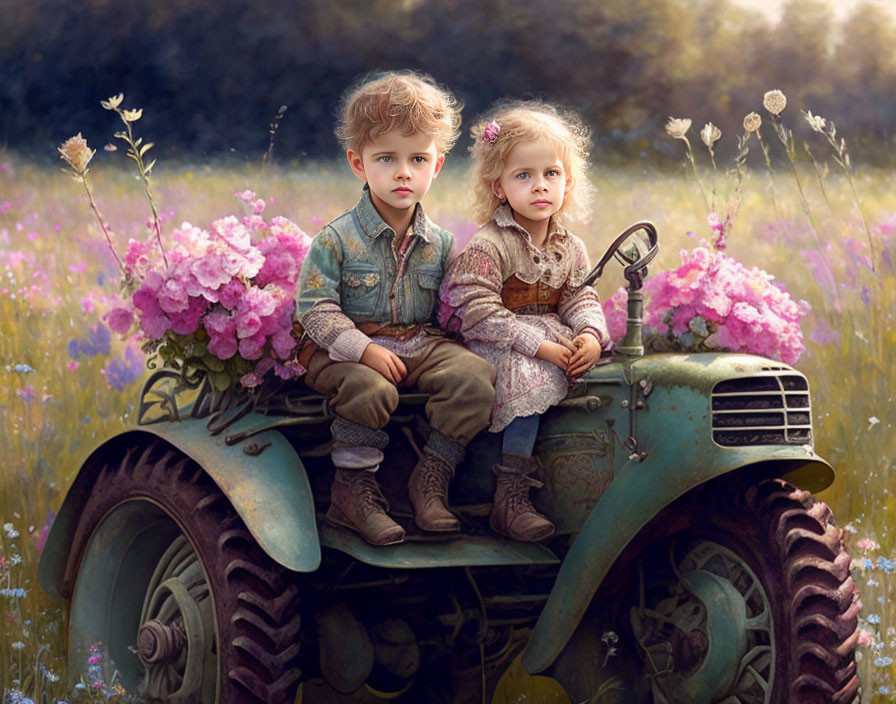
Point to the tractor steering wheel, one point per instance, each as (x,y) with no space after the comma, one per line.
(635,258)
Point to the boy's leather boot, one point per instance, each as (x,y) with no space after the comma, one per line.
(428,491)
(356,502)
(512,512)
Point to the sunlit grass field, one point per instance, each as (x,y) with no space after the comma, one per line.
(67,385)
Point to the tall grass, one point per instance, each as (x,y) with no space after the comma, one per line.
(59,399)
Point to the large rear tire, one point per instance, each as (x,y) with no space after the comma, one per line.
(173,598)
(778,550)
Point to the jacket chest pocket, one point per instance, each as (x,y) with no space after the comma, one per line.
(361,288)
(425,282)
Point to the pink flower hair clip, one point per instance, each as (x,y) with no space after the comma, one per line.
(490,132)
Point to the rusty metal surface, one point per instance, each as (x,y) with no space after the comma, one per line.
(270,492)
(470,551)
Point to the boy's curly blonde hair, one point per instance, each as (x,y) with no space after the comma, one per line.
(524,121)
(406,100)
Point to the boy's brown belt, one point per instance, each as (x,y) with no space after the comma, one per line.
(308,347)
(401,331)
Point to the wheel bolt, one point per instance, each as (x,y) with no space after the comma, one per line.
(160,643)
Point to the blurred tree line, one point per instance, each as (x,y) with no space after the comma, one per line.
(211,75)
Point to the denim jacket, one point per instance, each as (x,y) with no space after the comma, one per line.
(353,264)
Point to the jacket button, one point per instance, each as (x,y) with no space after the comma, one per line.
(536,259)
(557,256)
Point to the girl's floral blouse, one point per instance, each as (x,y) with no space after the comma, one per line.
(471,302)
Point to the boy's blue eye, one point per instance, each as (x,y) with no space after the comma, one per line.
(523,176)
(553,172)
(385,159)
(419,159)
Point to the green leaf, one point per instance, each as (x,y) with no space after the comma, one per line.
(213,363)
(221,380)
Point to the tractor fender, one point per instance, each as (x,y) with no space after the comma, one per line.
(637,494)
(269,490)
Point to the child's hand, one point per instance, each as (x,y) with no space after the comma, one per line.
(554,353)
(586,355)
(385,362)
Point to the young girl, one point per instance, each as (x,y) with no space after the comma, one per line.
(516,295)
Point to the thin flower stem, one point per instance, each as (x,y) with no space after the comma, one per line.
(105,228)
(135,151)
(824,192)
(696,175)
(715,173)
(855,196)
(786,139)
(768,166)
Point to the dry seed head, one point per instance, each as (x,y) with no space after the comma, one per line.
(752,122)
(816,122)
(112,102)
(774,101)
(76,153)
(710,134)
(677,127)
(132,115)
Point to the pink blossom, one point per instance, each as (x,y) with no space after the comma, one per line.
(187,322)
(258,206)
(210,270)
(136,260)
(245,196)
(743,309)
(232,232)
(120,320)
(72,365)
(222,346)
(250,380)
(248,324)
(865,638)
(866,544)
(231,293)
(254,222)
(173,297)
(616,314)
(249,348)
(219,323)
(490,132)
(283,343)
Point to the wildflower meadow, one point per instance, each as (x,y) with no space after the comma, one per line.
(791,214)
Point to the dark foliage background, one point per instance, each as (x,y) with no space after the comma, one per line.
(211,75)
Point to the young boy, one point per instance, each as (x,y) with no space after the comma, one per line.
(367,297)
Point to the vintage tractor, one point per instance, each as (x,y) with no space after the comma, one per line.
(691,564)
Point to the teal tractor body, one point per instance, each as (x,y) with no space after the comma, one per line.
(691,563)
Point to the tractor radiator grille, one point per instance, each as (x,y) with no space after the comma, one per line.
(772,409)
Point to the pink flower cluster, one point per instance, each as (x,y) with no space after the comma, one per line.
(714,302)
(236,281)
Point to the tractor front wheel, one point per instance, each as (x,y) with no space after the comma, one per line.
(174,600)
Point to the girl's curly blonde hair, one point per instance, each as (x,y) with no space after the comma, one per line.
(413,102)
(525,121)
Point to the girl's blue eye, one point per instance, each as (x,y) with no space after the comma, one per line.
(385,159)
(419,159)
(553,172)
(523,176)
